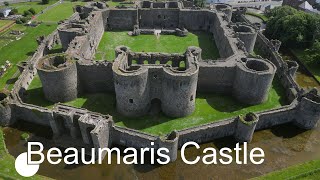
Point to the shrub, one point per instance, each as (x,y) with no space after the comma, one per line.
(26,13)
(6,3)
(45,1)
(13,11)
(32,11)
(18,21)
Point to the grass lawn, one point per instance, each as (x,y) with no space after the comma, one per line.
(21,49)
(209,108)
(59,12)
(4,23)
(7,167)
(150,43)
(309,170)
(314,68)
(261,16)
(118,3)
(24,6)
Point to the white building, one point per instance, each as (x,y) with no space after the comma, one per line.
(5,12)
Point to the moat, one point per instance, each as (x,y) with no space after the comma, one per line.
(284,146)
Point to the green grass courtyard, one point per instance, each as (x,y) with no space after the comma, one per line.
(150,43)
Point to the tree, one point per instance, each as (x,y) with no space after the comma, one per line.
(199,3)
(13,11)
(293,28)
(45,1)
(313,54)
(32,11)
(26,13)
(6,3)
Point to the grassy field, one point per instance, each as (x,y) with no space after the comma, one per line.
(21,49)
(309,170)
(209,108)
(150,43)
(59,12)
(261,16)
(314,68)
(37,6)
(4,23)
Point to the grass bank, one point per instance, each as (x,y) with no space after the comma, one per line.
(314,68)
(261,16)
(308,170)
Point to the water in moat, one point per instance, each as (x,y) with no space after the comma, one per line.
(284,146)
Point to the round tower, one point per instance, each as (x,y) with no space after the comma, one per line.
(131,85)
(226,9)
(253,79)
(308,112)
(5,111)
(58,75)
(245,127)
(247,34)
(180,86)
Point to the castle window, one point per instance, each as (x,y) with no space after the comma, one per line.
(159,16)
(131,101)
(155,76)
(191,98)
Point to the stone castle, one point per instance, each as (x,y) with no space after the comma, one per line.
(141,78)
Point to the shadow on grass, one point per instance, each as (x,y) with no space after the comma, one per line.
(11,81)
(36,97)
(222,103)
(207,44)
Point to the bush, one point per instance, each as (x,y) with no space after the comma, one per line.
(13,12)
(24,19)
(6,3)
(26,13)
(18,21)
(32,11)
(45,1)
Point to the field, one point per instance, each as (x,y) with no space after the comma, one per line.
(4,24)
(309,170)
(21,49)
(209,108)
(59,12)
(37,6)
(150,43)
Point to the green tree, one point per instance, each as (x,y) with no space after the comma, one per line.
(294,28)
(32,11)
(13,11)
(6,3)
(199,3)
(313,54)
(26,13)
(45,1)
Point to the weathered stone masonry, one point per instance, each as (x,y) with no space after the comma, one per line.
(243,77)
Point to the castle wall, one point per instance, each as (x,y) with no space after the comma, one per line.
(158,18)
(95,77)
(123,19)
(32,114)
(223,81)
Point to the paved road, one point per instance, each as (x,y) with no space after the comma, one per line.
(251,4)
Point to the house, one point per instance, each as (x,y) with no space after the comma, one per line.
(5,12)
